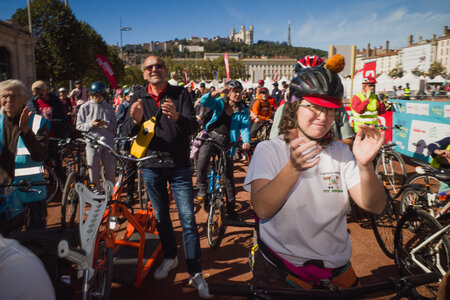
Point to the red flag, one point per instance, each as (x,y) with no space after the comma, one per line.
(185,76)
(275,75)
(370,70)
(227,67)
(106,68)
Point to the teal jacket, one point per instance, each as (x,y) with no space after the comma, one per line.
(240,120)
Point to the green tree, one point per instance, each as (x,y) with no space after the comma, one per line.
(436,69)
(65,47)
(396,72)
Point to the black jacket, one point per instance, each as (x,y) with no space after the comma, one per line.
(172,137)
(60,121)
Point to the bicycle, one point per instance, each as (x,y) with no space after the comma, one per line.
(137,250)
(421,245)
(13,215)
(403,287)
(391,167)
(77,172)
(263,133)
(422,188)
(216,197)
(384,224)
(94,258)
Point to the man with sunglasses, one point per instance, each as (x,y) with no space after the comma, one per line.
(366,106)
(176,123)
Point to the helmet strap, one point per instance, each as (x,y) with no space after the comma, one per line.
(323,138)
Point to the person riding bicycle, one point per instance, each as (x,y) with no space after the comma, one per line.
(440,153)
(261,111)
(229,120)
(300,184)
(23,148)
(97,118)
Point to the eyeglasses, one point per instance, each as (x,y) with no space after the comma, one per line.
(317,110)
(156,66)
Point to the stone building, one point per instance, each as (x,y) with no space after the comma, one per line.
(17,59)
(244,36)
(260,68)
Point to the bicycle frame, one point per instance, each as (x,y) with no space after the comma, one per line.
(436,249)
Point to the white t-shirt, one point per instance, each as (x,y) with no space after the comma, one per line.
(312,223)
(22,274)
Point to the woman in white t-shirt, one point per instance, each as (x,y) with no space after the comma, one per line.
(300,183)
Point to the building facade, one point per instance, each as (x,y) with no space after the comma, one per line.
(244,36)
(266,67)
(17,60)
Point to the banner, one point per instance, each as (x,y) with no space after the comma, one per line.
(370,70)
(106,68)
(275,75)
(185,76)
(227,67)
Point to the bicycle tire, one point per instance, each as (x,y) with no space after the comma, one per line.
(427,180)
(414,227)
(384,225)
(142,192)
(100,283)
(69,203)
(215,227)
(413,196)
(392,171)
(53,183)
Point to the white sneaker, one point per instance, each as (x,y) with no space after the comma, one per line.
(163,270)
(201,285)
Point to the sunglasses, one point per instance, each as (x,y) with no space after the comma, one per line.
(156,66)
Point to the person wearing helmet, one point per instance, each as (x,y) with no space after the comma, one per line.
(261,111)
(300,183)
(230,118)
(79,94)
(97,118)
(366,106)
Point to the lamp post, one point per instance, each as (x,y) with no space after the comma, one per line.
(122,29)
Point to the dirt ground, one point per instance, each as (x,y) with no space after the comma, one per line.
(229,263)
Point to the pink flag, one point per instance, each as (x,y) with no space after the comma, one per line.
(227,67)
(275,75)
(106,68)
(185,76)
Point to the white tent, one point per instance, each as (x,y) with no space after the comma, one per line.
(437,79)
(384,83)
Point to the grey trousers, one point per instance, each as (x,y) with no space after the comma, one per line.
(97,157)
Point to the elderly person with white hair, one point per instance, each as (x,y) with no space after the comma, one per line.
(23,147)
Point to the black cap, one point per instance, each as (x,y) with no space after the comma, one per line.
(77,82)
(275,83)
(202,84)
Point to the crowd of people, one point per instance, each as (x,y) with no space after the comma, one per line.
(300,180)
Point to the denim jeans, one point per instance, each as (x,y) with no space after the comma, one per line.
(180,180)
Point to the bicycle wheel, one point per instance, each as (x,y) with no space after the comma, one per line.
(414,228)
(413,196)
(100,283)
(391,167)
(69,205)
(428,181)
(216,228)
(384,225)
(142,192)
(53,185)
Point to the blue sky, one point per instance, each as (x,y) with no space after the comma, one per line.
(314,24)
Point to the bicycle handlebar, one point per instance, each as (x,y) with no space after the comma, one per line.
(401,285)
(95,141)
(382,127)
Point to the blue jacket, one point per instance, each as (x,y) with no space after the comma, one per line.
(240,120)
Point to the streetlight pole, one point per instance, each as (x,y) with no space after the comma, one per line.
(122,29)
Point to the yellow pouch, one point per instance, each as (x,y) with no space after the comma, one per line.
(143,138)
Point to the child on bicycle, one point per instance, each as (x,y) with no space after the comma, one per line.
(300,183)
(230,119)
(97,118)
